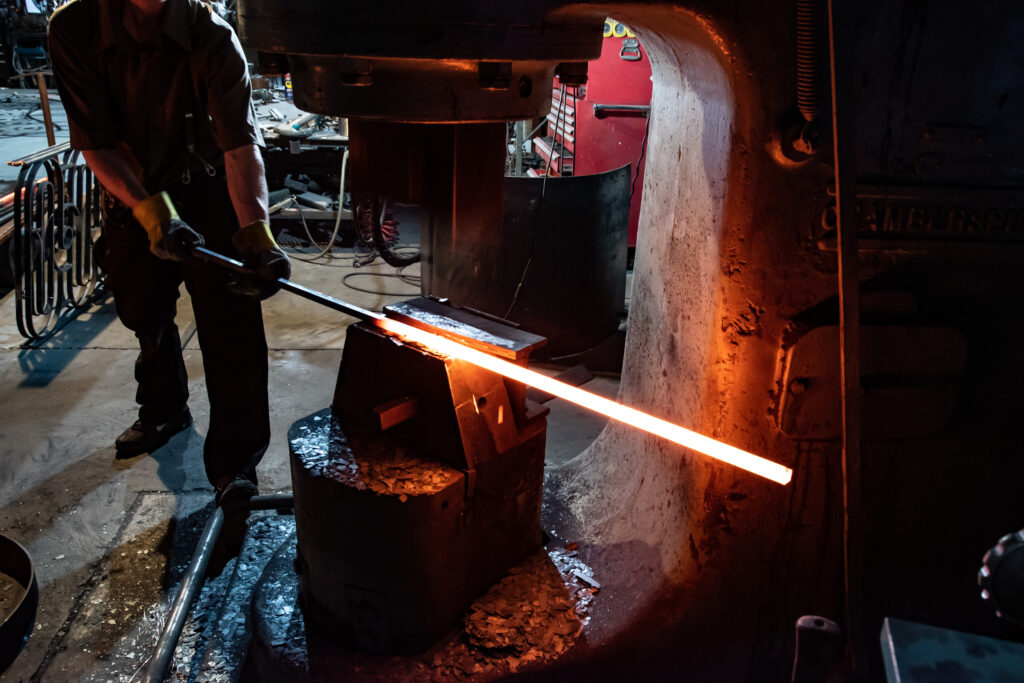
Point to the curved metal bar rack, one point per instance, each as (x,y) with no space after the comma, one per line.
(57,222)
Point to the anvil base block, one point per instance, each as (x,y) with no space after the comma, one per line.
(391,550)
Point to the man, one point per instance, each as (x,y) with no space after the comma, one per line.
(157,96)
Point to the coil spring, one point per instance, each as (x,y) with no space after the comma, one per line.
(808,58)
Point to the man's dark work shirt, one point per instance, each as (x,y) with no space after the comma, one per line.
(118,93)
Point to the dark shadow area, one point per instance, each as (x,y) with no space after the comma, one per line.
(21,517)
(75,334)
(113,620)
(6,276)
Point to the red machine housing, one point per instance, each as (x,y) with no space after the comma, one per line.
(588,143)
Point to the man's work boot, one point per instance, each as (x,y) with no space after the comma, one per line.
(233,493)
(143,437)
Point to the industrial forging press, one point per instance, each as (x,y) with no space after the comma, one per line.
(420,486)
(383,567)
(894,415)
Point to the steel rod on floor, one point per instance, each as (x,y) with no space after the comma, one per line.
(190,586)
(273,501)
(193,582)
(41,155)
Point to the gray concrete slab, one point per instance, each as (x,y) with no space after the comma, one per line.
(21,126)
(572,428)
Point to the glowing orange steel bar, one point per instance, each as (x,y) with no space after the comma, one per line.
(631,416)
(10,196)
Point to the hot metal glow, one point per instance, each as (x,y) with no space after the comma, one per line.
(9,197)
(631,416)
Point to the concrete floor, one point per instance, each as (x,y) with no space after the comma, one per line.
(111,537)
(21,126)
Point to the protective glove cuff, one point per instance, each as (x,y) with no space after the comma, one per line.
(153,213)
(254,238)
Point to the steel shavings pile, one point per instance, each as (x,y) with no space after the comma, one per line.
(536,613)
(374,464)
(216,636)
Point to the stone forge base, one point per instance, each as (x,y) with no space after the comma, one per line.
(534,616)
(391,550)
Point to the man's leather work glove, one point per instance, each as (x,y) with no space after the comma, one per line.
(261,255)
(169,237)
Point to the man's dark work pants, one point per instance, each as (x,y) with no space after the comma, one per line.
(230,327)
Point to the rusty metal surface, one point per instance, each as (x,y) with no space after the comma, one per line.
(452,62)
(473,330)
(17,611)
(910,378)
(728,257)
(465,417)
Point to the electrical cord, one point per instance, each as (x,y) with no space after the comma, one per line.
(551,156)
(367,259)
(341,194)
(328,246)
(415,280)
(345,281)
(326,250)
(358,261)
(640,159)
(371,215)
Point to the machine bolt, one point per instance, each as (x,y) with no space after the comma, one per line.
(525,87)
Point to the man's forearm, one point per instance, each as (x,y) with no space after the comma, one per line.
(247,184)
(116,175)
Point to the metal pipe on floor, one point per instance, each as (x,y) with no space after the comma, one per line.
(192,582)
(273,501)
(190,586)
